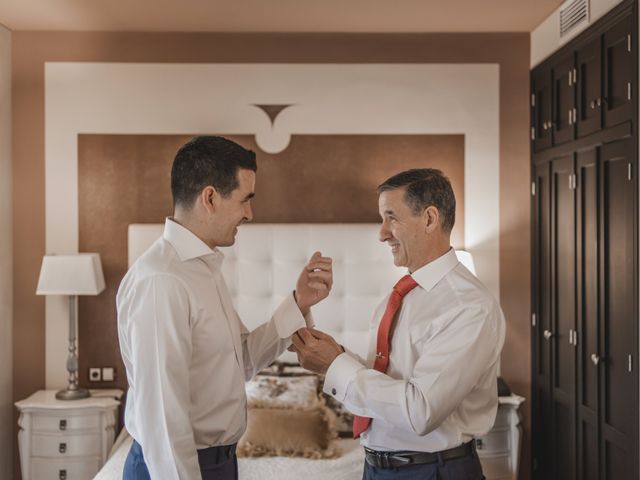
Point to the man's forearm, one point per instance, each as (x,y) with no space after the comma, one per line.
(264,345)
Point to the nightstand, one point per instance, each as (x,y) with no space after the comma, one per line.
(66,439)
(499,450)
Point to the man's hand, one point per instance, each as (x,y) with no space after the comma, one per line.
(314,283)
(316,350)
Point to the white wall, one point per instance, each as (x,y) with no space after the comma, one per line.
(326,99)
(545,39)
(6,290)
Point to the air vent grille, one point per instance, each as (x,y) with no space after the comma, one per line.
(574,14)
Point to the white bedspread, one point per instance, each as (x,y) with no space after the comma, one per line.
(347,467)
(112,470)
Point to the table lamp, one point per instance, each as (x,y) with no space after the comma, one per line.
(72,275)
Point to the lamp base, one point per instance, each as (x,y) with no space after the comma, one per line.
(76,394)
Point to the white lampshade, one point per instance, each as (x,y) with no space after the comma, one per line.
(79,274)
(467,260)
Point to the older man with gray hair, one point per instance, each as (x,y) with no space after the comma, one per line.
(428,386)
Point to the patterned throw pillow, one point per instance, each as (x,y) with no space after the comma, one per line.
(287,417)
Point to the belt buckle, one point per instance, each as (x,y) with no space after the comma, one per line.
(404,461)
(379,459)
(388,459)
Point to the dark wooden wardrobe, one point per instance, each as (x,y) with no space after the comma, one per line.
(584,191)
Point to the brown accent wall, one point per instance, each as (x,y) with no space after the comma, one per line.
(32,49)
(124,179)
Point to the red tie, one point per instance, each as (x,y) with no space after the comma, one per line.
(400,289)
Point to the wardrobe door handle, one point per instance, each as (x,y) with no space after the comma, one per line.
(595,359)
(547,334)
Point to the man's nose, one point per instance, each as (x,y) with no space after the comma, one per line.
(384,234)
(248,213)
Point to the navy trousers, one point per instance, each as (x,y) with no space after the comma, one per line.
(464,468)
(216,463)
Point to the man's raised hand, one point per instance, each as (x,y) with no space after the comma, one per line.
(315,282)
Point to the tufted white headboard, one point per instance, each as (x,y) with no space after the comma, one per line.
(261,268)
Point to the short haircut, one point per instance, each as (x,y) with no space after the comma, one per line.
(425,187)
(208,161)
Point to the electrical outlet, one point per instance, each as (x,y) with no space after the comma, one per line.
(95,375)
(107,374)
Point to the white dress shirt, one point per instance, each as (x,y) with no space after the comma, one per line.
(187,354)
(439,390)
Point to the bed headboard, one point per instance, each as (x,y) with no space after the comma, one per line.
(261,268)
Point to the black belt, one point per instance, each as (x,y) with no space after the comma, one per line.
(402,459)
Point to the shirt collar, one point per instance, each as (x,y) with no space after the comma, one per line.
(430,274)
(187,245)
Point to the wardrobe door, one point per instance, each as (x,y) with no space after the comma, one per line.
(564,100)
(616,356)
(589,88)
(618,72)
(586,340)
(542,114)
(541,344)
(563,318)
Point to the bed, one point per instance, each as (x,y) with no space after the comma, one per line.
(347,467)
(261,269)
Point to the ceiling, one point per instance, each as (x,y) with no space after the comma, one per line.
(384,16)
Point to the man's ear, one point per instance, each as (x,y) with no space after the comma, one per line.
(209,198)
(431,217)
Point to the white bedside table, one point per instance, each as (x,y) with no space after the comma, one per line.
(499,450)
(66,439)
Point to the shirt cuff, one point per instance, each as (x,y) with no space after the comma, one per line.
(340,374)
(288,318)
(308,319)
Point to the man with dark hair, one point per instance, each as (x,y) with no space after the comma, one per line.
(428,386)
(186,352)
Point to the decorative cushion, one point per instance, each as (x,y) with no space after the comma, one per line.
(344,418)
(287,417)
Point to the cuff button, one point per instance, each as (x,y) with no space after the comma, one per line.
(333,391)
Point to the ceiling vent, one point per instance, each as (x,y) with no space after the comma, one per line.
(574,15)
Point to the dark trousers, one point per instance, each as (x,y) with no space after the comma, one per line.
(216,463)
(463,468)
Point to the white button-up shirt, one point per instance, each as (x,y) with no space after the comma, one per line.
(440,387)
(187,354)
